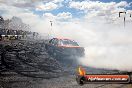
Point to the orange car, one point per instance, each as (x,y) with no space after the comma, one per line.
(64,47)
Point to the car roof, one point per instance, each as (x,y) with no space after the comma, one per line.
(60,38)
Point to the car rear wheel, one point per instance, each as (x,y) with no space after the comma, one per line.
(80,80)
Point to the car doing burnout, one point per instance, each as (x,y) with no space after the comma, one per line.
(64,47)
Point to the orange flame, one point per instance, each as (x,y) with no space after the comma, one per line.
(81,71)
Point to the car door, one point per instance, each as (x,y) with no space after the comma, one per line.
(52,46)
(55,46)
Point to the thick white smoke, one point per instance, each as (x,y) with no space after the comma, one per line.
(107,45)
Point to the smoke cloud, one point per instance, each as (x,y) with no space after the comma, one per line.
(107,45)
(101,32)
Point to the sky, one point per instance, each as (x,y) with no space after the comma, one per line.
(94,24)
(63,9)
(60,11)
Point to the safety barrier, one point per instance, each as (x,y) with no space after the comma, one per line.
(10,37)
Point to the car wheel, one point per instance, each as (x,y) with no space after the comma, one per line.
(80,80)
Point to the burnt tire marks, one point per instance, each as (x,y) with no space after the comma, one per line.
(31,62)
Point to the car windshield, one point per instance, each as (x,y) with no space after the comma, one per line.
(68,42)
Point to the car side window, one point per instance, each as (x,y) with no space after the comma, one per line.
(60,42)
(51,41)
(55,42)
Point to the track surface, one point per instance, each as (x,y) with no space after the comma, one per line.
(28,65)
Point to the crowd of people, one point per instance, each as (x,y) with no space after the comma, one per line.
(9,33)
(13,32)
(16,34)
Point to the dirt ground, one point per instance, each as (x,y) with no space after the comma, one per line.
(16,81)
(28,65)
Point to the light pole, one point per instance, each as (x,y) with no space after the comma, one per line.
(124,17)
(130,15)
(51,24)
